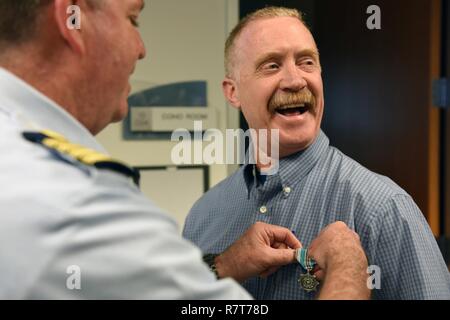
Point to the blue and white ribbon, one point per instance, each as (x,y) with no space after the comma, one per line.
(302,258)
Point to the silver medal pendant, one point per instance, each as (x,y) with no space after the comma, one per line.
(308,282)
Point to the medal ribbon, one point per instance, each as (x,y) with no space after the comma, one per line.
(302,257)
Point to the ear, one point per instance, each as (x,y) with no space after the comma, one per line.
(231,92)
(65,11)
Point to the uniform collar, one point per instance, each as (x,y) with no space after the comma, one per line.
(34,111)
(294,168)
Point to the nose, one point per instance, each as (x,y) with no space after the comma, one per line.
(142,51)
(292,79)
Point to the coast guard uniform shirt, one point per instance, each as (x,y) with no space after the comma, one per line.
(70,230)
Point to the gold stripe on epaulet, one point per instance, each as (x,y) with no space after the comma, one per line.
(56,141)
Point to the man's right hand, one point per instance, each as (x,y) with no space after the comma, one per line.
(260,251)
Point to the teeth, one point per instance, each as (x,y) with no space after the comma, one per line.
(291,106)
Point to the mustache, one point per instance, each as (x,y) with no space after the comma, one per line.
(304,96)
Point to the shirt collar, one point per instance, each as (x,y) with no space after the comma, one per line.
(37,112)
(294,168)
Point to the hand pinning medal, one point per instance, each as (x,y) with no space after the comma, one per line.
(308,281)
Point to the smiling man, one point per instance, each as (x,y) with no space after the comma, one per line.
(73,222)
(264,61)
(273,75)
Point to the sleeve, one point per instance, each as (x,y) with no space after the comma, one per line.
(410,262)
(124,247)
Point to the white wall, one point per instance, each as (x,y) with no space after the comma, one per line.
(184,41)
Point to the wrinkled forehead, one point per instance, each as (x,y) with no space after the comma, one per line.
(281,34)
(136,5)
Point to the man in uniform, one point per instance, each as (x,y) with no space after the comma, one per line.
(73,223)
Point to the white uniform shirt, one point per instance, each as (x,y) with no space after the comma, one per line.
(56,214)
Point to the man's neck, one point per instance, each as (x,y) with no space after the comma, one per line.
(48,76)
(283,153)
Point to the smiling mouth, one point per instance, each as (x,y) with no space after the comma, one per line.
(293,110)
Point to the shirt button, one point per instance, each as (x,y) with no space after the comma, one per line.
(287,191)
(263,210)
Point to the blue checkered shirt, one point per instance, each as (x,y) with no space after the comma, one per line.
(312,189)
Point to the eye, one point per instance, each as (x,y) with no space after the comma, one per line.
(134,21)
(307,64)
(270,66)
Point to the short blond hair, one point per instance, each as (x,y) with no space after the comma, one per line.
(268,12)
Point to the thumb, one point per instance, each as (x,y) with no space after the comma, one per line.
(283,257)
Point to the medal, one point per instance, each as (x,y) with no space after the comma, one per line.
(307,281)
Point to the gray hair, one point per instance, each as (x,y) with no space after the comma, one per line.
(18,19)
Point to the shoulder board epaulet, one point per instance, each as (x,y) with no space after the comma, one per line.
(56,142)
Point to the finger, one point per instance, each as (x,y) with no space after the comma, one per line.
(320,275)
(279,245)
(280,234)
(356,235)
(281,257)
(316,243)
(316,257)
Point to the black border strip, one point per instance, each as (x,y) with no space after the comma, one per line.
(205,169)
